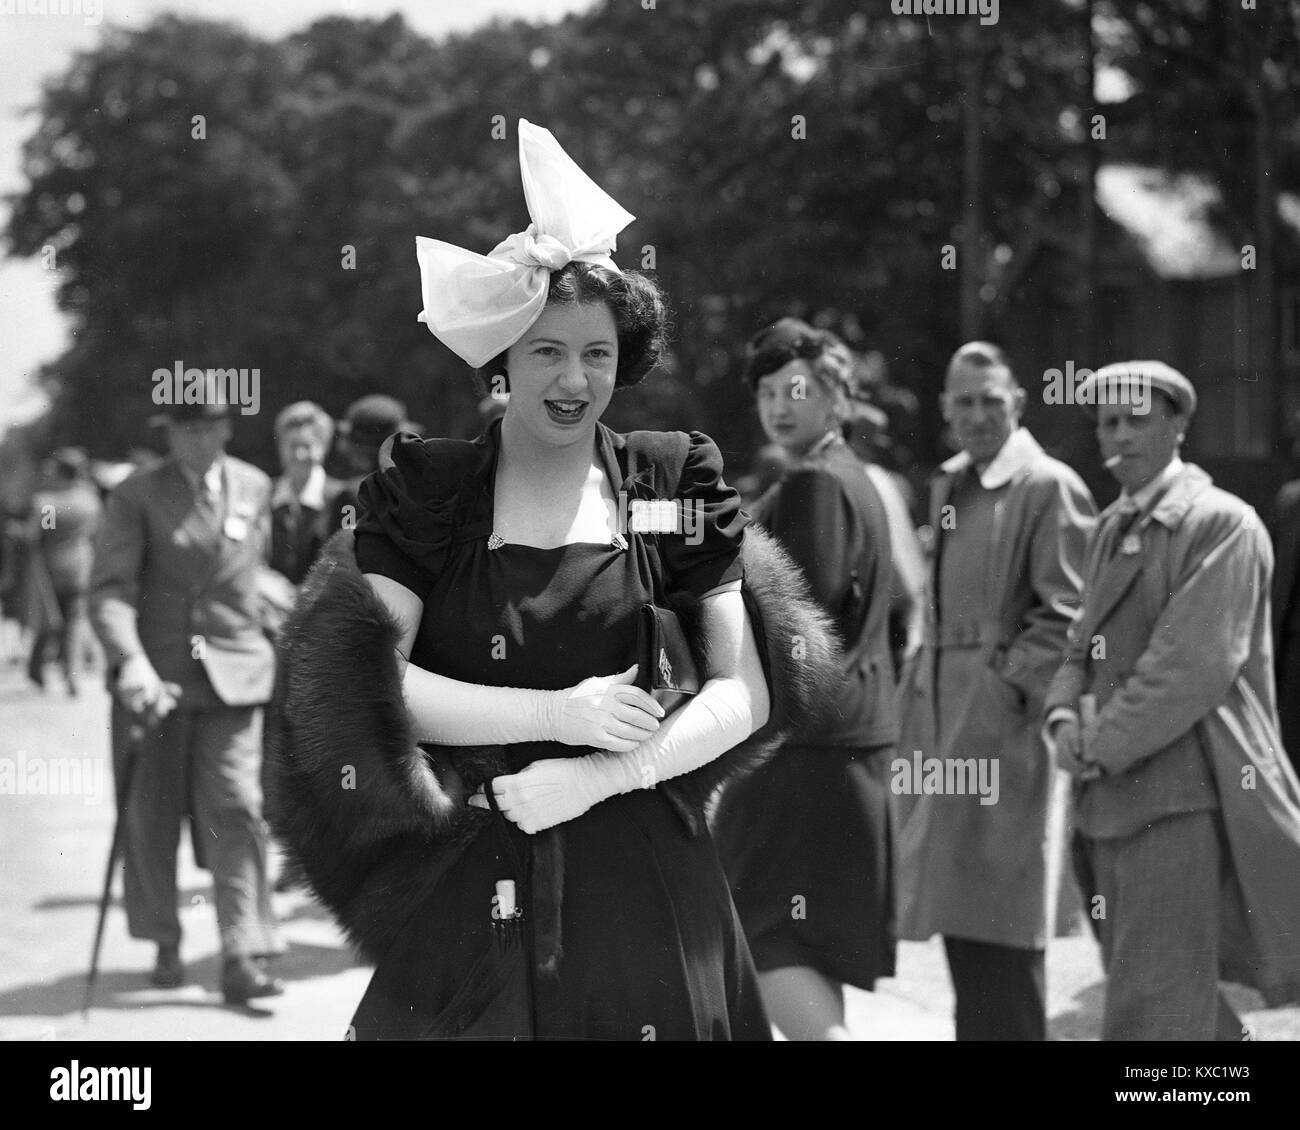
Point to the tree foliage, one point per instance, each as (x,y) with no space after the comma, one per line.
(232,249)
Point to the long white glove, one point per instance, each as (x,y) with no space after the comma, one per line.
(605,712)
(554,790)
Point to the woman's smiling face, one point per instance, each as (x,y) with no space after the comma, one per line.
(562,372)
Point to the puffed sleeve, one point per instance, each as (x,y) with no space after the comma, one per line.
(706,553)
(404,515)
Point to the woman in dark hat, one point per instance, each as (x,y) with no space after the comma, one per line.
(539,866)
(361,433)
(805,840)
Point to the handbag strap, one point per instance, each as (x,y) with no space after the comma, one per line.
(503,828)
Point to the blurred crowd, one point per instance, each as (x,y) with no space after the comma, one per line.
(46,545)
(199,556)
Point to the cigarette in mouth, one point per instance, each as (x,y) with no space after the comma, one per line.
(1113,461)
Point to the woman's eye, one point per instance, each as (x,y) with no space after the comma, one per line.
(599,354)
(546,350)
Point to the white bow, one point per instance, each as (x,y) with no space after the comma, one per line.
(480,305)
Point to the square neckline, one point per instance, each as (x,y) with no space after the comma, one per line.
(617,542)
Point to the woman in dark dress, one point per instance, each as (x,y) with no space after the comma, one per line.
(516,592)
(805,840)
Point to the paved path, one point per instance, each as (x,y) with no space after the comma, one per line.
(52,851)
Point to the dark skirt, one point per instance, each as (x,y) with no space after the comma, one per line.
(650,944)
(806,844)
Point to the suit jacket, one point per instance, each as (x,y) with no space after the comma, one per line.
(980,871)
(182,587)
(1174,641)
(297,536)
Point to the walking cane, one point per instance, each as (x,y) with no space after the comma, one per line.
(141,724)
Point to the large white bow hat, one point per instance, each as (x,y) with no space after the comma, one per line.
(480,305)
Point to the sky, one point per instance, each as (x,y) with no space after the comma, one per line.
(38,39)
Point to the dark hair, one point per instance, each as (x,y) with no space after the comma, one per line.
(983,355)
(790,339)
(638,305)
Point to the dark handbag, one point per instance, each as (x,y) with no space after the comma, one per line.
(665,664)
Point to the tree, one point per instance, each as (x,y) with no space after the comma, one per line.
(779,159)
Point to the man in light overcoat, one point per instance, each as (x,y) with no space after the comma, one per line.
(1010,527)
(1164,712)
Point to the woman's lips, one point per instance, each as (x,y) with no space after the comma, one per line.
(556,409)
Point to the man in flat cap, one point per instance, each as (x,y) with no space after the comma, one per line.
(175,599)
(1187,809)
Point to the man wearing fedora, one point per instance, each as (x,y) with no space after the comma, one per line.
(176,601)
(1163,712)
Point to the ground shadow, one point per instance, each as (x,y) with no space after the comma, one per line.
(71,902)
(130,989)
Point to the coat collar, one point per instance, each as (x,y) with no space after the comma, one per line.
(312,495)
(215,476)
(1172,505)
(1177,500)
(1113,578)
(1020,450)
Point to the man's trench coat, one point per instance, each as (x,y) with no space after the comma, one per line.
(968,870)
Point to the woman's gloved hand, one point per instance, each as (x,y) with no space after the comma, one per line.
(605,712)
(547,792)
(554,790)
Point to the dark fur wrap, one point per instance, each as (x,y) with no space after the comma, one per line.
(374,821)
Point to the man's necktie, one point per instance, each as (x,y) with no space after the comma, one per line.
(207,504)
(1125,519)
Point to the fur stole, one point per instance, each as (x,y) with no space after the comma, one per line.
(374,821)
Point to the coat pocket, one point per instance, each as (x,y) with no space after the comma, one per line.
(995,713)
